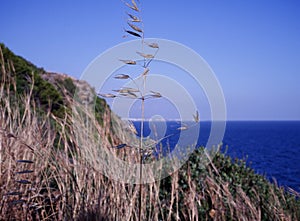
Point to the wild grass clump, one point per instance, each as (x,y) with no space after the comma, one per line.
(43,175)
(229,190)
(42,182)
(67,187)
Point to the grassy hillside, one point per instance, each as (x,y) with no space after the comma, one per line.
(45,173)
(24,72)
(49,88)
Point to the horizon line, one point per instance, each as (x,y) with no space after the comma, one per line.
(208,120)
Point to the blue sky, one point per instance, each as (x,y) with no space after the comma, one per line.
(252,46)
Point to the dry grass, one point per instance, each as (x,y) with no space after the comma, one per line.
(45,175)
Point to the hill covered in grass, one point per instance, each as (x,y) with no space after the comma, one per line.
(48,170)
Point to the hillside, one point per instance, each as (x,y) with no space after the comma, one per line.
(50,167)
(47,86)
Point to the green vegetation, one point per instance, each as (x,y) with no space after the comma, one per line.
(47,96)
(21,66)
(24,72)
(229,190)
(69,85)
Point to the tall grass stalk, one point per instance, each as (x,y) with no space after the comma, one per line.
(134,17)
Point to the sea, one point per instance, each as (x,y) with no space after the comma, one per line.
(271,148)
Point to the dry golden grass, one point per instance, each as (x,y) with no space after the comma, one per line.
(45,175)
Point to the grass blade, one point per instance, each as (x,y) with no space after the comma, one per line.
(24,171)
(147,56)
(132,128)
(182,128)
(134,27)
(120,146)
(15,202)
(131,62)
(133,6)
(126,90)
(24,161)
(130,89)
(23,181)
(145,72)
(133,18)
(122,76)
(133,33)
(155,94)
(107,95)
(196,117)
(13,194)
(153,45)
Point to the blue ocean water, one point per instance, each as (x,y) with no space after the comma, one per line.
(271,148)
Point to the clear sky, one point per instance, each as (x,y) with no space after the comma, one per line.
(253,46)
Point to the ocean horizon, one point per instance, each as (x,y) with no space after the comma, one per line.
(271,148)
